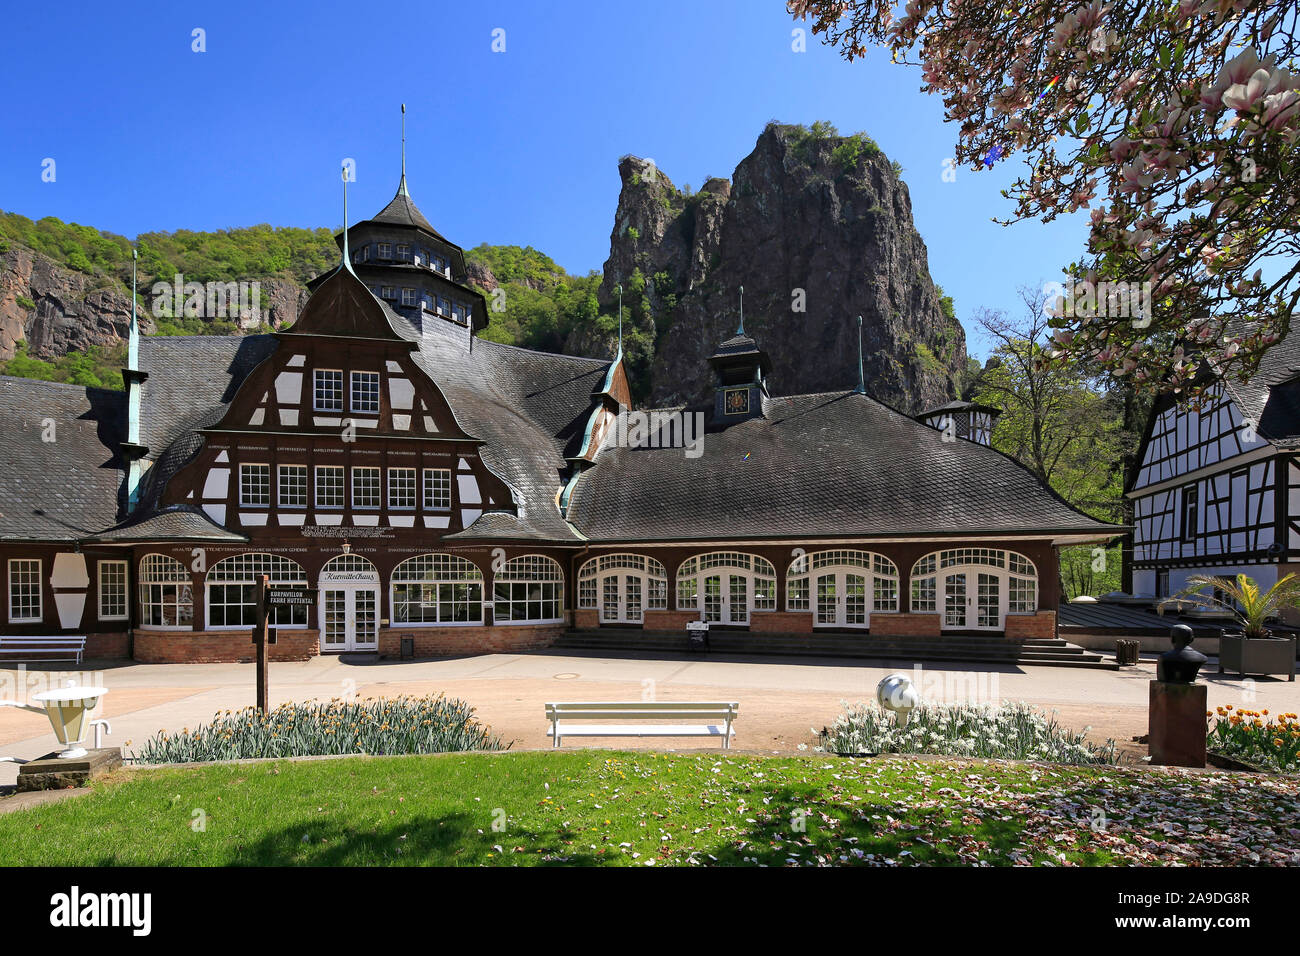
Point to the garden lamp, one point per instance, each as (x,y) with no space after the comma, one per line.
(896,693)
(68,708)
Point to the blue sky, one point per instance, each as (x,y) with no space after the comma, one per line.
(517,147)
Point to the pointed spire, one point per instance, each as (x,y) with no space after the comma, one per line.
(347,256)
(401,187)
(862,379)
(741,330)
(133,330)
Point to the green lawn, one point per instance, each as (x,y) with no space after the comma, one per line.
(644,808)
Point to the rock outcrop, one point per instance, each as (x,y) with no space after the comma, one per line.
(57,309)
(818,230)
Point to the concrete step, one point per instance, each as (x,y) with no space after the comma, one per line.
(959,648)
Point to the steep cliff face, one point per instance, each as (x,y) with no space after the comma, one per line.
(818,230)
(56,309)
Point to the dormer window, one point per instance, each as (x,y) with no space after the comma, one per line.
(385,250)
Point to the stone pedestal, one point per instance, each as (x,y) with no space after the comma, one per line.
(52,772)
(1176,728)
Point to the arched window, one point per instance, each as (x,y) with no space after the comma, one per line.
(842,587)
(437,589)
(528,588)
(166,592)
(656,594)
(623,586)
(974,588)
(232,590)
(724,586)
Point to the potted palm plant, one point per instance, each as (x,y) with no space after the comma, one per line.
(1254,649)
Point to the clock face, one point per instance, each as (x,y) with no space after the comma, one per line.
(736,401)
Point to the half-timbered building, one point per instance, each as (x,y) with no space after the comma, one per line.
(1217,490)
(465,496)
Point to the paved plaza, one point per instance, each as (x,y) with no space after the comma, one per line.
(781,699)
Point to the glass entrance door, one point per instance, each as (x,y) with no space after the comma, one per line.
(349,619)
(724,598)
(621,599)
(841,600)
(954,600)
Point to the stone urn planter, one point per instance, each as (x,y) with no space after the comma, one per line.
(1256,655)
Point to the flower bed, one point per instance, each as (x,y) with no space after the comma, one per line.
(1014,731)
(385,725)
(1255,738)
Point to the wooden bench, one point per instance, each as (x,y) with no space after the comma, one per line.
(66,647)
(574,719)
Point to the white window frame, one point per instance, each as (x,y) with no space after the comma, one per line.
(402,474)
(281,484)
(246,469)
(530,579)
(438,578)
(430,485)
(318,377)
(364,379)
(385,250)
(342,487)
(15,589)
(163,572)
(408,295)
(360,472)
(240,570)
(119,590)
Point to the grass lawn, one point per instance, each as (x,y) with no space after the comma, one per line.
(645,808)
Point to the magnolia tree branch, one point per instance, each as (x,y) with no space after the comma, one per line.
(1174,124)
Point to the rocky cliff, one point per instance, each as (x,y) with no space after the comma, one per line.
(56,309)
(818,230)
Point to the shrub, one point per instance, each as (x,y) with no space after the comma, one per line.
(1014,731)
(1248,736)
(385,725)
(26,303)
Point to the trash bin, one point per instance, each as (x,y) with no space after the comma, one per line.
(697,635)
(1126,652)
(408,648)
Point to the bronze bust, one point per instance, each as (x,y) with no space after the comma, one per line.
(1180,665)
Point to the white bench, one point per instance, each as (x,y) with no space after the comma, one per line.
(573,719)
(69,646)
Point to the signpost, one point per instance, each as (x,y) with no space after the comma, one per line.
(264,635)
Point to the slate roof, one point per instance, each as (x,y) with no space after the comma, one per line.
(67,488)
(402,211)
(529,407)
(1272,395)
(837,464)
(176,523)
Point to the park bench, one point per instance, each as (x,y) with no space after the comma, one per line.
(64,647)
(575,719)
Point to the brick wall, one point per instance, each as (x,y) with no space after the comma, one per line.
(784,622)
(442,641)
(221,647)
(101,647)
(1038,624)
(905,625)
(586,618)
(669,620)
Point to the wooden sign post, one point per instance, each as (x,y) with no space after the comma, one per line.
(262,639)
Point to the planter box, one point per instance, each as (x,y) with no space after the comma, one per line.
(1257,655)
